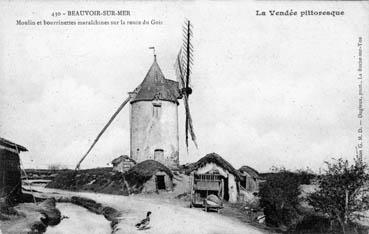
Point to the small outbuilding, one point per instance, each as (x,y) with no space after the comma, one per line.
(249,178)
(123,163)
(10,171)
(149,176)
(214,175)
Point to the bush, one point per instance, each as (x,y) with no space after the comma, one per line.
(313,223)
(305,176)
(279,199)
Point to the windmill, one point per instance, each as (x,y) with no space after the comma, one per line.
(150,138)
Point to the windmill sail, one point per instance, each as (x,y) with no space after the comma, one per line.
(189,125)
(183,71)
(189,129)
(179,71)
(186,58)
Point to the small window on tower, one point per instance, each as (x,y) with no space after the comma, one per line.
(156,109)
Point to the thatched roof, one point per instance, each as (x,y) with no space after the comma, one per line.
(149,168)
(143,171)
(216,159)
(249,170)
(121,158)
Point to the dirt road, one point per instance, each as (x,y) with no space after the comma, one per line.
(168,216)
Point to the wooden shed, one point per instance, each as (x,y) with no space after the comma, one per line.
(10,172)
(214,175)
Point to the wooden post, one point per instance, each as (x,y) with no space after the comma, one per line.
(346,205)
(222,188)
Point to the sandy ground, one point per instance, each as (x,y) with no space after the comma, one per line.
(79,220)
(168,216)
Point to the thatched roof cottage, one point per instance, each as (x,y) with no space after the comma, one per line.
(214,164)
(149,176)
(10,172)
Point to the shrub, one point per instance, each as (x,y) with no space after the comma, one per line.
(342,193)
(305,176)
(279,199)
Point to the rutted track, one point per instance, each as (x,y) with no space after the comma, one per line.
(167,215)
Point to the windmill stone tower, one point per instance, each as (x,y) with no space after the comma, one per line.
(154,119)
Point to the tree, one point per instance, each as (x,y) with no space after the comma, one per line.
(342,192)
(279,199)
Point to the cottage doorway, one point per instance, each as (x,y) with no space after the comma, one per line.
(226,191)
(160,182)
(243,182)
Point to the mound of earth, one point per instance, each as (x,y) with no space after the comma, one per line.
(103,180)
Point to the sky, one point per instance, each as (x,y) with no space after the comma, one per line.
(267,91)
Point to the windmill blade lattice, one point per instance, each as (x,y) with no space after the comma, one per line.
(183,67)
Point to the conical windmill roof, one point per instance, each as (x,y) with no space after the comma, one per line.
(155,86)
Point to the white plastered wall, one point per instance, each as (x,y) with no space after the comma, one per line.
(232,186)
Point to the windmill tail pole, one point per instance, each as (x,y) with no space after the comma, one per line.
(103,130)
